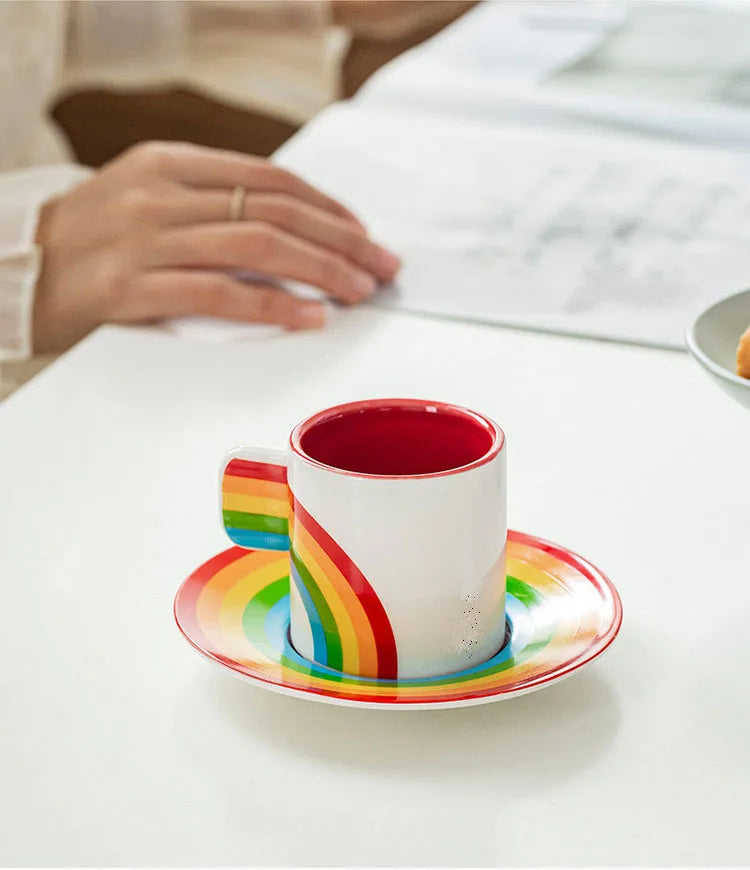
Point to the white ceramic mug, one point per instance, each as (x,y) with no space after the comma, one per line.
(394,512)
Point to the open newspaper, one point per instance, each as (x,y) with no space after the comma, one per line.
(564,166)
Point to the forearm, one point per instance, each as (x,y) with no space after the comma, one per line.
(392,20)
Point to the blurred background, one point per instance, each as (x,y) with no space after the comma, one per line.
(239,74)
(576,166)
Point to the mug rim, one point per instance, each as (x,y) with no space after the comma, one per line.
(497,445)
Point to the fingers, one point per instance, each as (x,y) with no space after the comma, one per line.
(195,166)
(297,218)
(264,248)
(180,293)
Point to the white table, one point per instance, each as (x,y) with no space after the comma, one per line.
(121,746)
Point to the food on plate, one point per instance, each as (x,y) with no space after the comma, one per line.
(743,355)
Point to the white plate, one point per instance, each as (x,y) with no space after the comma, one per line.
(713,340)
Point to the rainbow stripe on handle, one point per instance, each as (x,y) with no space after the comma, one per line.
(350,629)
(254,504)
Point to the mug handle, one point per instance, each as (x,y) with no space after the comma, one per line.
(255,498)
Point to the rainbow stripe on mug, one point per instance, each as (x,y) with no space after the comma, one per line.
(350,629)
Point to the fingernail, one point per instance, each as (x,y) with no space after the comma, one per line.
(364,284)
(309,315)
(388,262)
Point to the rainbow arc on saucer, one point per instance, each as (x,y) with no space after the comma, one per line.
(562,613)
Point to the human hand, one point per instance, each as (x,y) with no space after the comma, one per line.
(150,237)
(391,20)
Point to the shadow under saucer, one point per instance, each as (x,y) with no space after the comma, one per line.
(525,744)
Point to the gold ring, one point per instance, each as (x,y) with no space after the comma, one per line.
(237,204)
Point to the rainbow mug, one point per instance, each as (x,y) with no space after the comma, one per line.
(394,515)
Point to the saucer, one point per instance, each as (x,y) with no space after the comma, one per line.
(562,612)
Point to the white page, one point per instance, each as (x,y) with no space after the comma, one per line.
(519,42)
(576,232)
(675,69)
(677,52)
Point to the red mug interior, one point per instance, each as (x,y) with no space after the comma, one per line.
(397,438)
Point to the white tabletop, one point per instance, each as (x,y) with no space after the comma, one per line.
(121,746)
